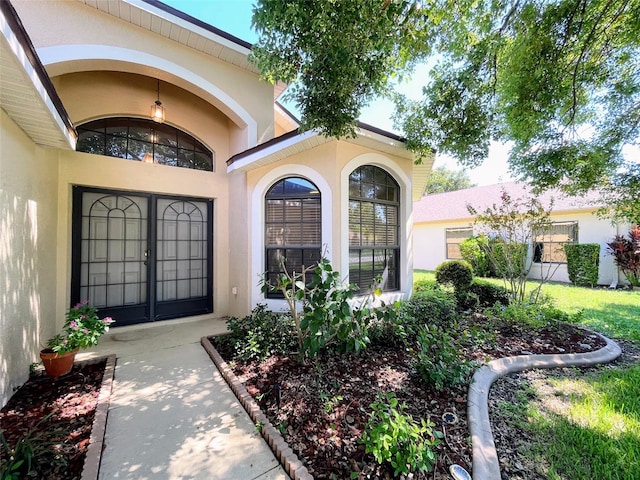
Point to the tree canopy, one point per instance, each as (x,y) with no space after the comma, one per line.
(444,180)
(559,79)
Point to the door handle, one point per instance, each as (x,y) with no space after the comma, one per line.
(146,256)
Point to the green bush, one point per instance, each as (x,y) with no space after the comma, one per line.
(438,359)
(509,259)
(398,439)
(475,251)
(425,286)
(261,334)
(533,315)
(456,273)
(430,307)
(582,263)
(489,294)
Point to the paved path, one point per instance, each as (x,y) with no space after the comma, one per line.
(172,416)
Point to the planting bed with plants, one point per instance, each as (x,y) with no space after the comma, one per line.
(46,425)
(363,392)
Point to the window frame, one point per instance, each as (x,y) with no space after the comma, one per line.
(447,243)
(390,252)
(154,142)
(307,251)
(539,253)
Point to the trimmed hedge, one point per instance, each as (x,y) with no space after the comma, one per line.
(582,263)
(457,273)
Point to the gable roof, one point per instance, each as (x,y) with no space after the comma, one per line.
(297,141)
(453,205)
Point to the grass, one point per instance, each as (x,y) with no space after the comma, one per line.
(596,435)
(615,313)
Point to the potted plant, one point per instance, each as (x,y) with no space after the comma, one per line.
(82,329)
(626,254)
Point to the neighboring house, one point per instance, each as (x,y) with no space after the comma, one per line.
(179,217)
(441,222)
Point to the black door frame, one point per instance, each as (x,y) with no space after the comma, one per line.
(152,310)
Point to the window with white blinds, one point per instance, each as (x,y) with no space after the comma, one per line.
(293,227)
(549,243)
(455,236)
(374,227)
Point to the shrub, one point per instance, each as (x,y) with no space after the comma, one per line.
(626,254)
(431,307)
(456,273)
(425,286)
(475,251)
(261,334)
(582,262)
(489,294)
(533,315)
(438,360)
(398,439)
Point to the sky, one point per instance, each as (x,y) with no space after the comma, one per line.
(234,17)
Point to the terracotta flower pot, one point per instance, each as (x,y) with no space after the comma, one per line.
(57,364)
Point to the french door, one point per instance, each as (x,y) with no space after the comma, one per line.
(142,257)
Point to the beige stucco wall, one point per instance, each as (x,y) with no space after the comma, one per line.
(28,261)
(430,245)
(328,166)
(89,40)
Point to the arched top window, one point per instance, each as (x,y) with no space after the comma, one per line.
(293,227)
(143,140)
(374,228)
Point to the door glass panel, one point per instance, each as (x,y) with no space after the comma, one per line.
(181,245)
(114,232)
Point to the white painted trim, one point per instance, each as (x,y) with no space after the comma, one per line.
(22,59)
(256,224)
(406,213)
(244,162)
(189,26)
(61,54)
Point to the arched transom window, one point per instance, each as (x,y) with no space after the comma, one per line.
(143,140)
(293,227)
(374,248)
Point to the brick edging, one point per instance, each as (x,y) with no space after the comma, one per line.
(289,460)
(93,456)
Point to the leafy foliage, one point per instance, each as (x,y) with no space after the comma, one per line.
(513,223)
(474,250)
(443,180)
(558,80)
(261,334)
(397,439)
(438,359)
(435,307)
(489,294)
(455,273)
(339,53)
(532,315)
(329,316)
(582,262)
(626,254)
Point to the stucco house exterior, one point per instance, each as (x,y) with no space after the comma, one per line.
(175,218)
(442,221)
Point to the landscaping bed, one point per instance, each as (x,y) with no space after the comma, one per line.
(55,418)
(321,407)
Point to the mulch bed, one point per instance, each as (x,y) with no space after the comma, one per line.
(57,416)
(321,408)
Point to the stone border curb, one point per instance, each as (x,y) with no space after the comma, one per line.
(485,457)
(292,465)
(93,456)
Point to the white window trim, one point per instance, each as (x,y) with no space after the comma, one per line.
(256,233)
(405,220)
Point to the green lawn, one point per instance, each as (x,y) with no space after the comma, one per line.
(614,313)
(596,434)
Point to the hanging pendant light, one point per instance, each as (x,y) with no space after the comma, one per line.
(157,110)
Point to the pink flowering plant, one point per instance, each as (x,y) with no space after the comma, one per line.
(82,329)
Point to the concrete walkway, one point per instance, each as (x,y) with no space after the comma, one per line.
(172,416)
